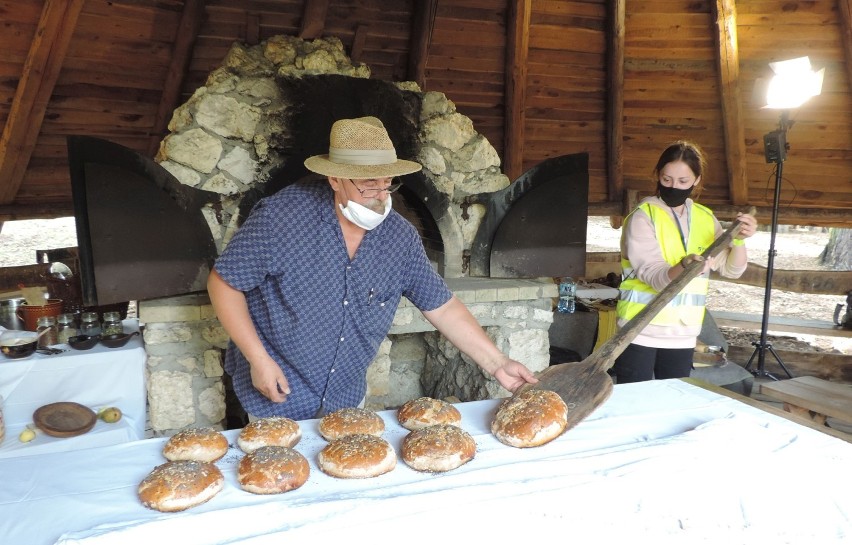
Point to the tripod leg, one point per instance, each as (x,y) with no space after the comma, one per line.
(781,363)
(753,354)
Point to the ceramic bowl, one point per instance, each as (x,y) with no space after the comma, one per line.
(83,342)
(18,344)
(118,340)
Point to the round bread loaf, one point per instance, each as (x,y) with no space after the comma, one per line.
(357,456)
(530,419)
(426,411)
(200,444)
(175,486)
(437,448)
(272,470)
(276,431)
(350,420)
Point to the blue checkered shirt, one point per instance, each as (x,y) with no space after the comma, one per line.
(320,315)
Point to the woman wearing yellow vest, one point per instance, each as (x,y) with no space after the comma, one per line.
(664,233)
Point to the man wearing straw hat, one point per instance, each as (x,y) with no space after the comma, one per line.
(308,287)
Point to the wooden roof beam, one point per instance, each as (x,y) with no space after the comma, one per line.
(846,36)
(615,105)
(517,50)
(422,25)
(313,19)
(187,31)
(41,70)
(728,68)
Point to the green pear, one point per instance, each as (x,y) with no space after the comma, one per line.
(110,415)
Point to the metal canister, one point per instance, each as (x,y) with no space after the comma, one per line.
(8,318)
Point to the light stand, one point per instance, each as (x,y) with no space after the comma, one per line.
(775,149)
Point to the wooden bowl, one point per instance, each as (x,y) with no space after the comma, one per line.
(64,419)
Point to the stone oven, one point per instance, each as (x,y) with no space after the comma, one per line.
(245,134)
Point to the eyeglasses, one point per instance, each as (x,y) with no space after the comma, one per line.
(374,192)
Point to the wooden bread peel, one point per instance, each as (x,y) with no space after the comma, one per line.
(586,385)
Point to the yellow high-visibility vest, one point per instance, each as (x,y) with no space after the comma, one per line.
(687,308)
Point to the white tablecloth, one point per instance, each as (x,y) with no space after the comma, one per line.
(663,462)
(98,377)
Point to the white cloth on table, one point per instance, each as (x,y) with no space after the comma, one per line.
(663,459)
(98,377)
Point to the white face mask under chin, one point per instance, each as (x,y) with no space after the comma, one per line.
(362,216)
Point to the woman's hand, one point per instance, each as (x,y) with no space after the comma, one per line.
(689,259)
(748,225)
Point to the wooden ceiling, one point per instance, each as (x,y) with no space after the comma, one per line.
(539,78)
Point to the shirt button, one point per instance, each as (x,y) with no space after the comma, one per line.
(381,304)
(342,339)
(345,302)
(332,370)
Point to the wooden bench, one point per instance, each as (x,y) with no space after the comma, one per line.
(812,398)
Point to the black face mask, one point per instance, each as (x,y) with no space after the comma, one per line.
(673,197)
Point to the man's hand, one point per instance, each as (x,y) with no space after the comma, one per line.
(269,380)
(512,375)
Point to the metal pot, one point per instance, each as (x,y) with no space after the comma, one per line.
(8,317)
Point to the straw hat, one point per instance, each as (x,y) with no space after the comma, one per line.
(359,149)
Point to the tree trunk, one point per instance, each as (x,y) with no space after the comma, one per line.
(838,251)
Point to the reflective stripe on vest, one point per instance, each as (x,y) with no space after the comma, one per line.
(688,306)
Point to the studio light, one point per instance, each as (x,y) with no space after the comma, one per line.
(793,84)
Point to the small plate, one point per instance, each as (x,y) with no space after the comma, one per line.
(64,419)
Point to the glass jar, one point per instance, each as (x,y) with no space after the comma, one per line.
(112,324)
(567,293)
(89,324)
(47,332)
(66,327)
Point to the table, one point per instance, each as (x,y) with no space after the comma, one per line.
(813,397)
(667,460)
(98,377)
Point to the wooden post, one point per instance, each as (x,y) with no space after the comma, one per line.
(728,66)
(188,27)
(517,49)
(615,111)
(422,23)
(313,19)
(846,36)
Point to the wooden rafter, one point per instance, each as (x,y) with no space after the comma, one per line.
(846,36)
(313,19)
(728,68)
(252,28)
(41,70)
(188,27)
(615,103)
(422,24)
(517,50)
(358,43)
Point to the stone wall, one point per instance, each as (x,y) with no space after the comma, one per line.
(185,342)
(232,134)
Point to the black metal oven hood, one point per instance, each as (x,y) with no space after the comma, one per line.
(537,225)
(140,232)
